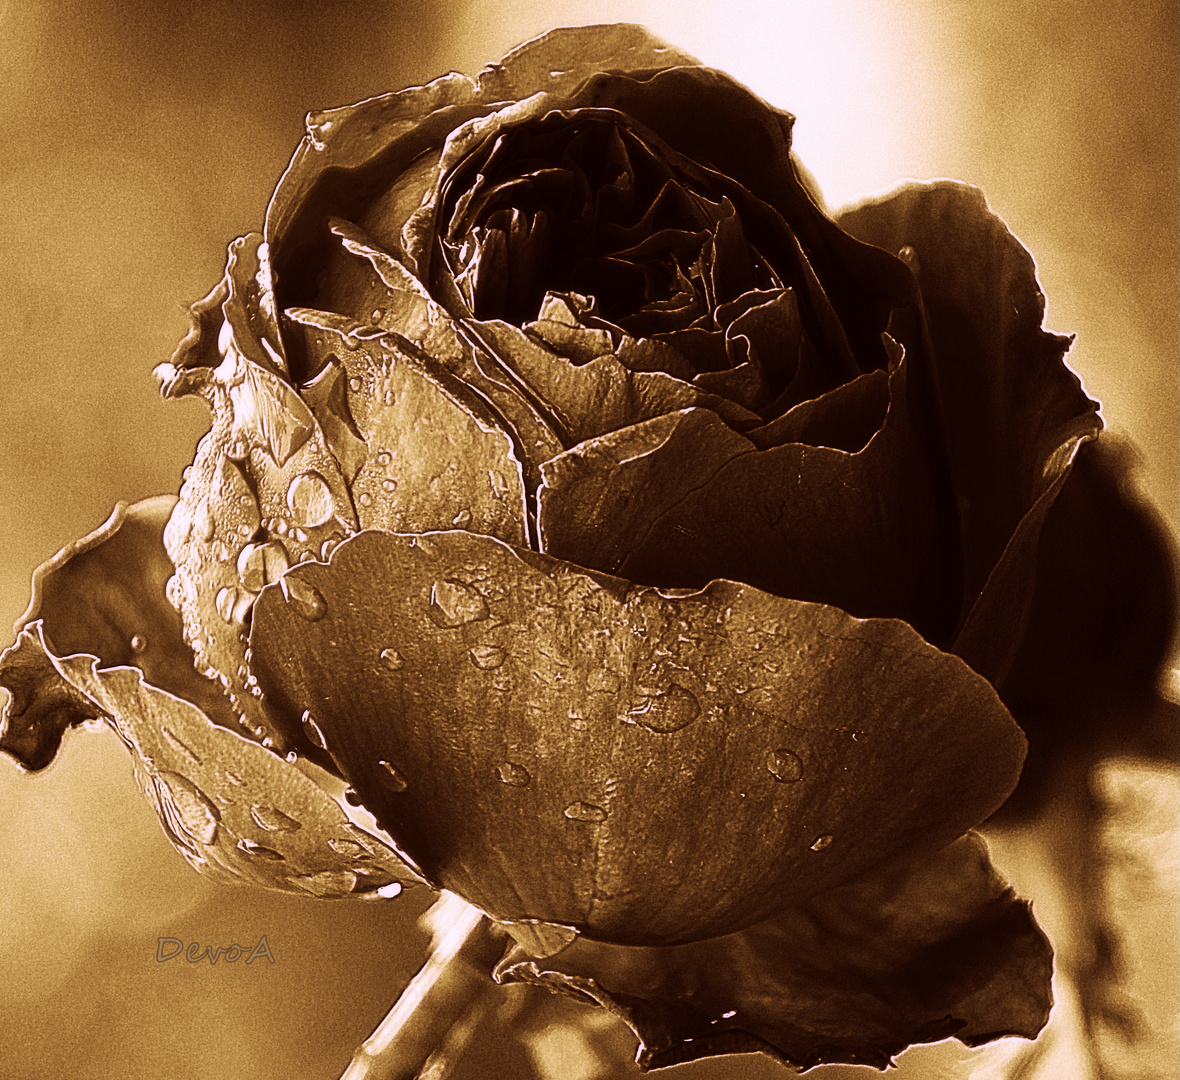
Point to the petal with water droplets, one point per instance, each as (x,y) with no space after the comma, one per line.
(686,753)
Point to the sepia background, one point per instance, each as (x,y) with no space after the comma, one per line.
(141,138)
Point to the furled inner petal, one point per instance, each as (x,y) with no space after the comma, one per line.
(524,728)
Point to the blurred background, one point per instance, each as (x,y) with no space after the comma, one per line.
(142,137)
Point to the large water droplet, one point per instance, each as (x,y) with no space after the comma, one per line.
(454,604)
(487,657)
(821,843)
(304,598)
(392,659)
(584,811)
(365,499)
(388,892)
(384,458)
(392,777)
(260,564)
(198,816)
(785,766)
(514,775)
(312,730)
(388,484)
(354,384)
(251,848)
(273,820)
(666,711)
(138,644)
(310,499)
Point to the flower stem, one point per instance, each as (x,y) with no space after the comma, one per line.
(437,1013)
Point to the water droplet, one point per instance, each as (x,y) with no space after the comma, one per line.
(300,537)
(312,730)
(203,524)
(138,643)
(273,820)
(292,757)
(462,519)
(821,843)
(392,777)
(376,315)
(354,384)
(388,484)
(310,499)
(351,797)
(454,604)
(584,811)
(281,527)
(392,659)
(251,848)
(366,499)
(197,815)
(304,598)
(349,848)
(388,892)
(384,458)
(516,776)
(233,604)
(667,711)
(785,766)
(260,564)
(487,657)
(388,397)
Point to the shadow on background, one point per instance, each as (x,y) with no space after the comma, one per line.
(140,139)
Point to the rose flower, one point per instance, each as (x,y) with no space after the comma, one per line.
(593,527)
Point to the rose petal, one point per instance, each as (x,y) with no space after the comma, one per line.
(435,452)
(263,491)
(913,952)
(588,400)
(232,808)
(1018,411)
(1084,682)
(525,728)
(403,307)
(349,153)
(105,595)
(682,499)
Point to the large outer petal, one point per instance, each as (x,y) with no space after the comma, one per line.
(912,952)
(1013,412)
(562,746)
(98,631)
